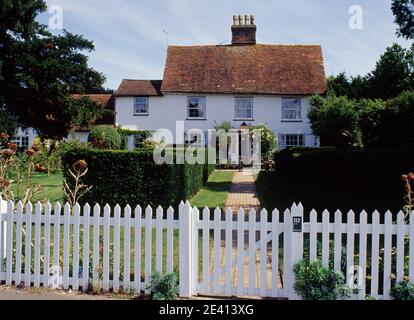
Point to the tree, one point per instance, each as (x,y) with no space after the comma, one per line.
(403,11)
(393,73)
(8,123)
(335,121)
(352,88)
(40,71)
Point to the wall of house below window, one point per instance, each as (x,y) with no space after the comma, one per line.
(165,111)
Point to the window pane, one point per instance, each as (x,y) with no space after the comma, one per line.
(141,105)
(243,108)
(291,109)
(196,107)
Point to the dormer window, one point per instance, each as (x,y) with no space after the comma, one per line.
(291,109)
(141,106)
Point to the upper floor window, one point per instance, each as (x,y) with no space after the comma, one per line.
(243,108)
(291,109)
(196,107)
(141,105)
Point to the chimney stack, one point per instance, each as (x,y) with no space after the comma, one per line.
(243,30)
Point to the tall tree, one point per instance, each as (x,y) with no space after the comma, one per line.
(41,70)
(393,73)
(403,11)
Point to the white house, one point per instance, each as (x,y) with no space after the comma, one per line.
(244,83)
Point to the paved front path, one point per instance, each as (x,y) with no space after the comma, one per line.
(243,192)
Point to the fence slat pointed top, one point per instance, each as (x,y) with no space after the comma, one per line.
(117,211)
(19,205)
(29,205)
(107,207)
(48,206)
(293,207)
(181,204)
(96,207)
(217,210)
(76,207)
(38,205)
(229,211)
(263,212)
(313,212)
(325,212)
(240,211)
(275,211)
(252,211)
(117,207)
(138,208)
(148,211)
(170,210)
(364,213)
(300,206)
(86,206)
(10,205)
(187,203)
(58,207)
(351,213)
(159,208)
(401,217)
(196,210)
(128,208)
(67,206)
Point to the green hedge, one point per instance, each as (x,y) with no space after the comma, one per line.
(132,177)
(343,178)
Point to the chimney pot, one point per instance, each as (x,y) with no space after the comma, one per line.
(252,20)
(243,30)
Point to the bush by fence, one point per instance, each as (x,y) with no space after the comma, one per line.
(132,177)
(344,178)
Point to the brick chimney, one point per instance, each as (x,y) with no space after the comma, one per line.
(243,30)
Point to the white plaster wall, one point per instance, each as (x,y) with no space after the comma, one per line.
(165,111)
(31,133)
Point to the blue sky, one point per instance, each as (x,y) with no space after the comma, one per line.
(130,40)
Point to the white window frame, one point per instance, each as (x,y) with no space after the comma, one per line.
(18,140)
(291,110)
(195,143)
(203,107)
(283,139)
(243,107)
(140,104)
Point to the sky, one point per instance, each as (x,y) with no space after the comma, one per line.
(131,36)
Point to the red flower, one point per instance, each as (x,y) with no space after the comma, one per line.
(12,146)
(8,153)
(4,136)
(80,165)
(40,168)
(30,152)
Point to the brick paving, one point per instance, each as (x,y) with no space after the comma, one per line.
(243,192)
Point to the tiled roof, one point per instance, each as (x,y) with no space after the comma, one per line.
(107,100)
(250,69)
(139,88)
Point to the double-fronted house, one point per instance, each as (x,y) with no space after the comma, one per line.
(244,83)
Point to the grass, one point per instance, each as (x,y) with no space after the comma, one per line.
(215,192)
(53,185)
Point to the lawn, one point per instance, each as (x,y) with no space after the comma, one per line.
(53,185)
(215,192)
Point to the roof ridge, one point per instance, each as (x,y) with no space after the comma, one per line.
(238,46)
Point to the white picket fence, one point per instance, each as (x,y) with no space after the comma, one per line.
(215,253)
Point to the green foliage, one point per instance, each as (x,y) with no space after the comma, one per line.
(140,135)
(268,140)
(132,177)
(334,178)
(314,282)
(8,122)
(335,121)
(403,11)
(40,70)
(164,287)
(402,291)
(105,137)
(306,253)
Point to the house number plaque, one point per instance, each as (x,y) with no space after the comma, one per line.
(297,224)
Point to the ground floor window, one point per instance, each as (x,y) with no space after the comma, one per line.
(291,140)
(22,142)
(195,139)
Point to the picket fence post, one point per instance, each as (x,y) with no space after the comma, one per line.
(296,245)
(185,249)
(3,233)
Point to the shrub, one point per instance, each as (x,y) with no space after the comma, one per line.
(132,177)
(105,137)
(314,282)
(339,178)
(403,291)
(164,287)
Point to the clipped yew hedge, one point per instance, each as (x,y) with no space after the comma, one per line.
(131,177)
